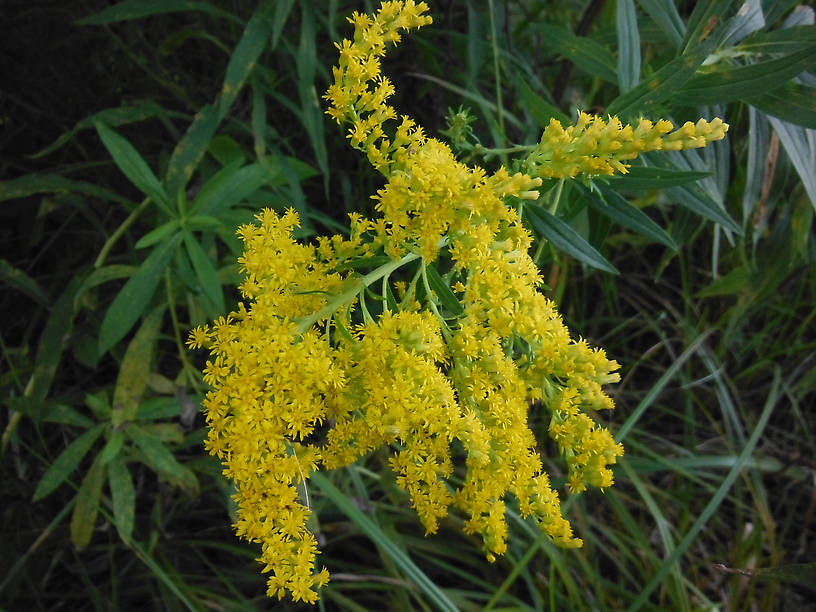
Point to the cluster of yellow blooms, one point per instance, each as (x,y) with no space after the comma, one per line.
(303,376)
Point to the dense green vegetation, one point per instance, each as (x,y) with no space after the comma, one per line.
(136,137)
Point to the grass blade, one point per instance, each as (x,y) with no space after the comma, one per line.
(400,558)
(658,387)
(716,500)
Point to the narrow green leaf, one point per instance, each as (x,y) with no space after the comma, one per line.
(803,574)
(67,462)
(443,291)
(258,121)
(282,10)
(656,389)
(206,272)
(101,276)
(541,110)
(800,146)
(65,415)
(628,45)
(52,343)
(191,148)
(731,284)
(18,280)
(650,177)
(128,160)
(134,297)
(774,11)
(584,52)
(135,368)
(704,20)
(112,447)
(698,201)
(792,103)
(306,63)
(123,497)
(136,111)
(731,84)
(226,150)
(99,403)
(228,187)
(566,239)
(83,519)
(758,138)
(199,223)
(619,210)
(155,408)
(31,184)
(411,571)
(662,84)
(785,40)
(664,13)
(243,59)
(157,456)
(138,9)
(158,234)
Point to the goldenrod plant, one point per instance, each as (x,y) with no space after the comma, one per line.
(403,381)
(438,352)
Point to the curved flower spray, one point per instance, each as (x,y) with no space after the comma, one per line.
(303,376)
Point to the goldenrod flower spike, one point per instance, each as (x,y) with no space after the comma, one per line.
(596,147)
(359,93)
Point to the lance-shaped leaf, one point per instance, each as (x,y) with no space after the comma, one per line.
(86,509)
(566,239)
(135,368)
(133,166)
(67,462)
(134,297)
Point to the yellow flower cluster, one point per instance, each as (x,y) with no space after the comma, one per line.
(360,92)
(595,147)
(306,376)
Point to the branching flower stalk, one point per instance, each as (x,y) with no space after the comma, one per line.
(305,376)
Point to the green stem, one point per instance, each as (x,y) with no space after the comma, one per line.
(103,254)
(347,296)
(443,325)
